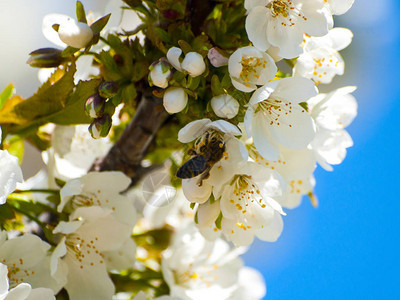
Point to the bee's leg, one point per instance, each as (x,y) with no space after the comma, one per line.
(191,152)
(204,176)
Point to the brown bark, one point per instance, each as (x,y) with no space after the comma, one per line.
(128,152)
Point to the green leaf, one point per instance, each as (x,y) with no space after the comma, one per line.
(74,112)
(98,26)
(50,97)
(111,70)
(162,34)
(216,86)
(6,94)
(80,12)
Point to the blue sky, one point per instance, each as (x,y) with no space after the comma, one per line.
(349,247)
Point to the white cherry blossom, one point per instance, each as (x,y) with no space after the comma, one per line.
(321,60)
(100,189)
(332,113)
(274,116)
(73,152)
(22,291)
(249,67)
(249,205)
(91,232)
(28,261)
(196,269)
(296,168)
(281,23)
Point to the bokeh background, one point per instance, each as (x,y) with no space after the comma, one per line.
(347,248)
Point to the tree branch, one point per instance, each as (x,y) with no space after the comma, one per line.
(199,10)
(128,152)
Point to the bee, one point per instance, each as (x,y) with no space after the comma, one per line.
(206,152)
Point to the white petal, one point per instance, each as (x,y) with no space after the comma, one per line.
(286,38)
(294,89)
(20,292)
(271,232)
(195,193)
(340,7)
(11,173)
(249,4)
(193,63)
(173,55)
(75,34)
(337,110)
(263,92)
(318,19)
(224,127)
(207,214)
(41,294)
(295,130)
(193,130)
(236,234)
(340,37)
(263,139)
(90,282)
(3,279)
(256,27)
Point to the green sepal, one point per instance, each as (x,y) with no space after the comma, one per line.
(99,25)
(186,48)
(69,51)
(218,221)
(55,27)
(80,12)
(304,105)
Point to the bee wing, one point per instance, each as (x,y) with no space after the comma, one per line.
(193,167)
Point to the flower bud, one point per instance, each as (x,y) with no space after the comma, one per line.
(175,99)
(108,89)
(193,63)
(225,106)
(45,58)
(100,127)
(94,106)
(159,73)
(216,58)
(75,34)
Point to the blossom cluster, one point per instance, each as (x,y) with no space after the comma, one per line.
(245,128)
